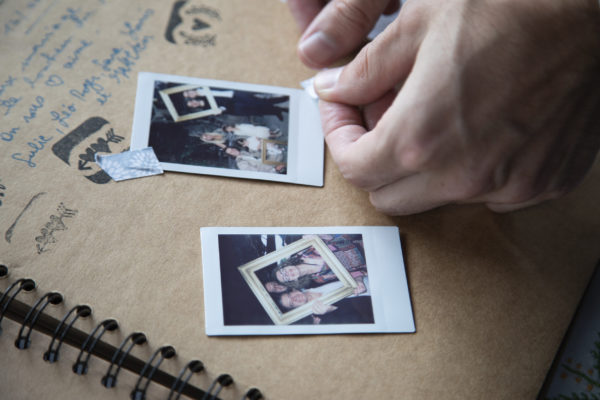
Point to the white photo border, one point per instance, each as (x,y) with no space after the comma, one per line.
(306,147)
(390,296)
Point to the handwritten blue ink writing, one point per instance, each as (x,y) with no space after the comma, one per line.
(75,57)
(14,22)
(33,109)
(132,30)
(50,59)
(37,144)
(35,50)
(91,85)
(6,84)
(73,15)
(64,114)
(9,104)
(8,136)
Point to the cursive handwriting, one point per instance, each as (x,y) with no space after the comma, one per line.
(50,58)
(73,59)
(63,115)
(55,224)
(36,145)
(133,29)
(33,109)
(9,104)
(8,136)
(8,82)
(121,60)
(91,85)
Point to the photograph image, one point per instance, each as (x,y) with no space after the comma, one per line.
(294,279)
(209,126)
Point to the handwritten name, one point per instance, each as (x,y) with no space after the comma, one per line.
(36,146)
(63,115)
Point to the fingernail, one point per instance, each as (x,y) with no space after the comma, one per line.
(318,48)
(327,79)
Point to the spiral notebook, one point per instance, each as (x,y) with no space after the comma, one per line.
(32,318)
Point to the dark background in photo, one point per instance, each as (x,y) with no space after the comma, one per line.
(178,142)
(240,305)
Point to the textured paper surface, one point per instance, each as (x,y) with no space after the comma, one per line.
(492,294)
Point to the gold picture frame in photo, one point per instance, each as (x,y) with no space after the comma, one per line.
(264,151)
(278,316)
(177,115)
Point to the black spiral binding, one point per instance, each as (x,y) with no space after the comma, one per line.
(23,340)
(80,367)
(24,284)
(193,367)
(138,392)
(36,319)
(109,380)
(82,311)
(222,381)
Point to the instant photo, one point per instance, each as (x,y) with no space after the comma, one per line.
(230,129)
(304,280)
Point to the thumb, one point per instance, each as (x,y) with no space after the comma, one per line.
(338,29)
(379,67)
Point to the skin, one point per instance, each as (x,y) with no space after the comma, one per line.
(465,101)
(274,287)
(293,272)
(195,103)
(296,298)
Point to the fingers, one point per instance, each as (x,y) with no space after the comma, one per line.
(304,11)
(379,67)
(362,158)
(411,195)
(337,30)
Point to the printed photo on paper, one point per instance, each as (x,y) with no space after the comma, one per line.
(295,281)
(223,128)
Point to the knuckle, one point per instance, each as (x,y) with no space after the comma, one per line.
(351,173)
(353,13)
(413,156)
(361,65)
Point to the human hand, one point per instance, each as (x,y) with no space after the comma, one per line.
(333,29)
(498,103)
(318,308)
